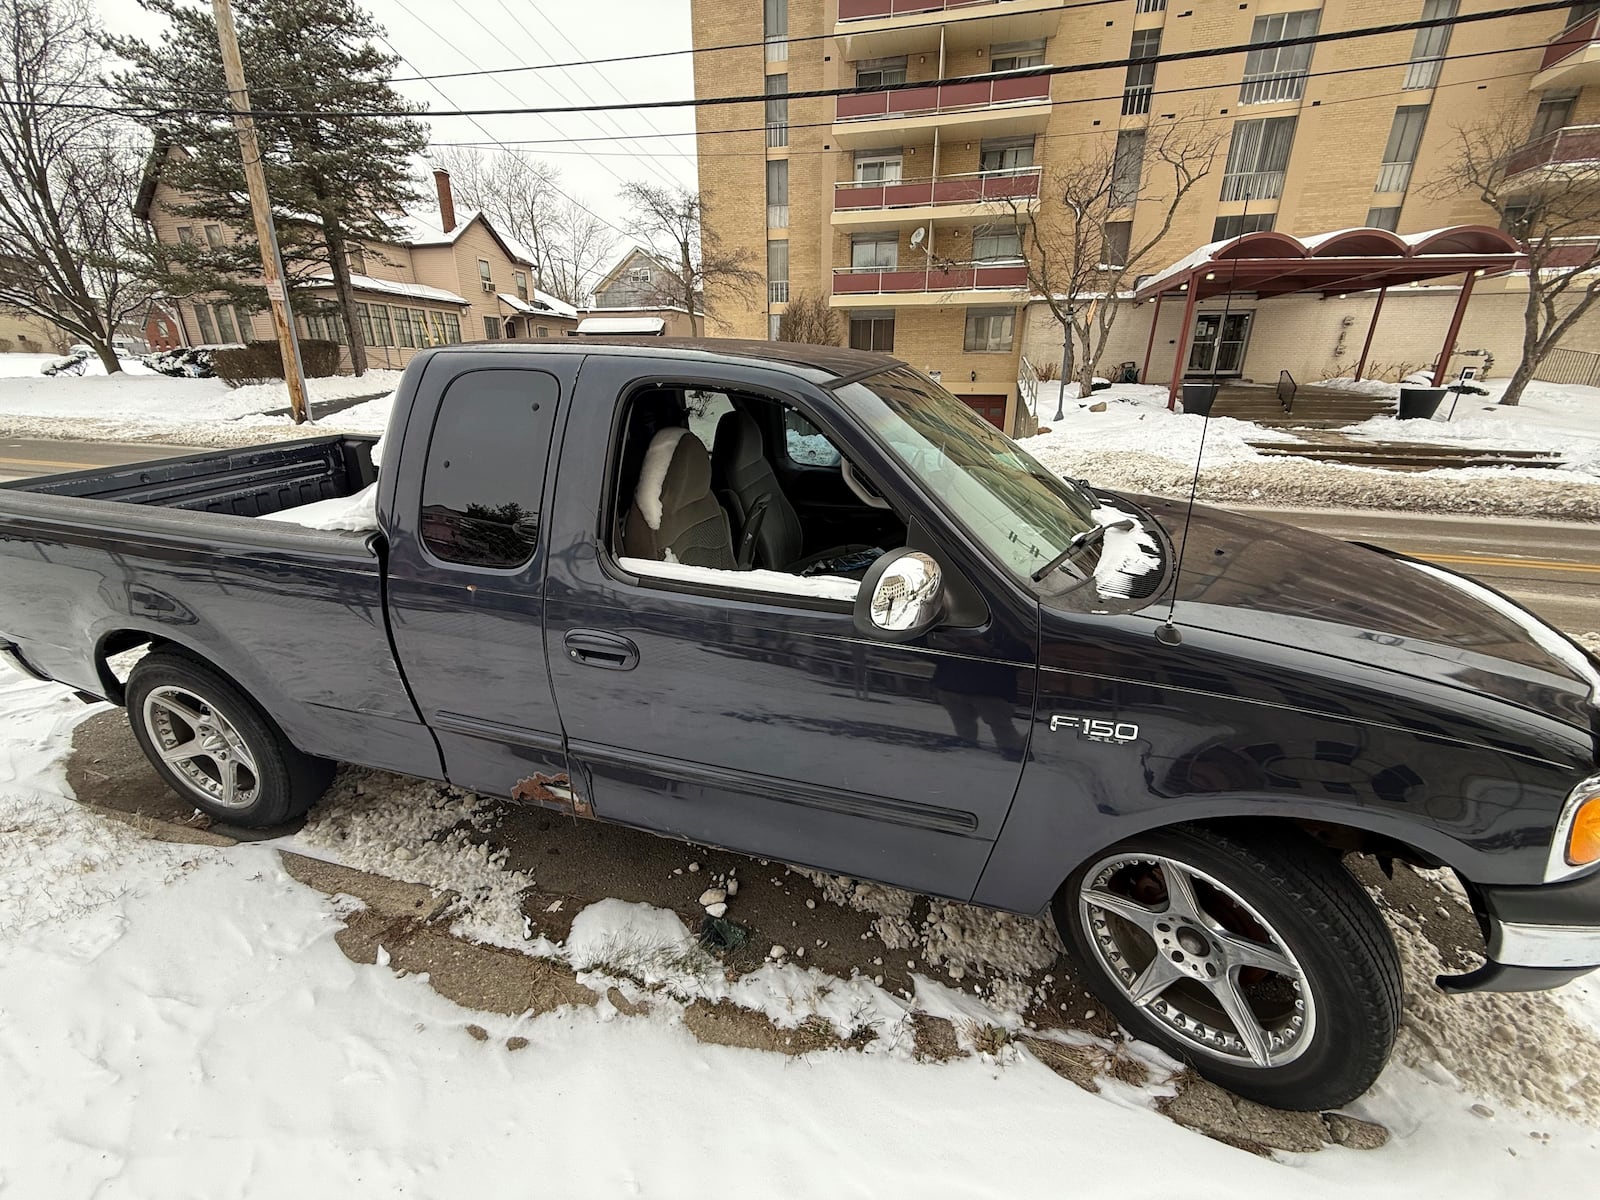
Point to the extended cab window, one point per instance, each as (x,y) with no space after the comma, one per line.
(486,467)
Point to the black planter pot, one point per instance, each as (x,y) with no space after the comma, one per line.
(1419,403)
(1199,397)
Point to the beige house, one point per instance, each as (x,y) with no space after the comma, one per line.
(900,206)
(452,279)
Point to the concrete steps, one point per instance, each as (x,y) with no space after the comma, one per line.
(1406,456)
(1316,408)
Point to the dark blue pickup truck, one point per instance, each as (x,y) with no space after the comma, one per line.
(802,603)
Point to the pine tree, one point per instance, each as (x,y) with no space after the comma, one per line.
(337,179)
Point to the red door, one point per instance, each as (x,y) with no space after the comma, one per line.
(991,408)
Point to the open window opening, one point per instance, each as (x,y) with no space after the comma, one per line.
(743,491)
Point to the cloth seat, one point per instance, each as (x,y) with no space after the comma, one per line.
(768,532)
(674,517)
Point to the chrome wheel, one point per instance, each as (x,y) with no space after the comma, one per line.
(201,746)
(1198,959)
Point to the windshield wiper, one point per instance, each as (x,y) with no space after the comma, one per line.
(1080,541)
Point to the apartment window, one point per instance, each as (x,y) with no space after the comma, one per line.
(879,166)
(773,321)
(364,319)
(541,331)
(1127,167)
(452,328)
(778,272)
(1514,219)
(1554,112)
(1117,237)
(872,329)
(996,242)
(1014,56)
(874,252)
(1258,155)
(989,330)
(419,328)
(491,328)
(356,260)
(208,327)
(775,29)
(638,274)
(881,72)
(1274,73)
(778,193)
(1405,135)
(1231,227)
(1005,156)
(214,236)
(1140,82)
(186,235)
(520,278)
(1384,218)
(381,326)
(1431,45)
(1581,12)
(1151,6)
(777,110)
(485,275)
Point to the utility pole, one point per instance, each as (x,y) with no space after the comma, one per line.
(261,206)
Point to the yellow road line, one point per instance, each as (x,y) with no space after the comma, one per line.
(46,462)
(1537,564)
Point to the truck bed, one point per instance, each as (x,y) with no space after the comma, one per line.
(248,482)
(96,561)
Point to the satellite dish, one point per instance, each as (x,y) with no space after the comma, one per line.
(917,235)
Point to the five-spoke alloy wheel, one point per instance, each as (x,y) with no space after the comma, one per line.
(214,745)
(1257,959)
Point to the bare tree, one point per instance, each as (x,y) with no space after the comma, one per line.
(579,249)
(810,319)
(1078,241)
(697,265)
(520,194)
(1548,200)
(71,252)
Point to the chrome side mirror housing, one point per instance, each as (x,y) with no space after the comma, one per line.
(901,597)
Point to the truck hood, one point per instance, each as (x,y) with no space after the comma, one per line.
(1273,583)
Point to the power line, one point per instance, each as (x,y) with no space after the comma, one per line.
(952,81)
(1202,87)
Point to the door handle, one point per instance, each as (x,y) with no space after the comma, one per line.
(608,651)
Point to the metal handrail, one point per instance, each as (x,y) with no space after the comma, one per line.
(997,173)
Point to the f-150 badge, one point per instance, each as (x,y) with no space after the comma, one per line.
(1094,729)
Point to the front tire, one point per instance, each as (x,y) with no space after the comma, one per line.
(1257,960)
(215,747)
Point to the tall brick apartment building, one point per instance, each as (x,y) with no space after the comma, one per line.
(889,204)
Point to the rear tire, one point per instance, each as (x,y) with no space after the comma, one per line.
(1257,960)
(215,747)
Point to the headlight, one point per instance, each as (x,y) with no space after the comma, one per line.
(1576,844)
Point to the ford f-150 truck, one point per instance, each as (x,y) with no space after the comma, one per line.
(803,603)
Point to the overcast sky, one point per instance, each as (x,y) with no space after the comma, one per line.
(436,36)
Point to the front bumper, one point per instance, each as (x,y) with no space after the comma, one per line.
(1539,937)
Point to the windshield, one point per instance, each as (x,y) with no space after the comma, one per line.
(1022,512)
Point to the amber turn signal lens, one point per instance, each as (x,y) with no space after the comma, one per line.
(1583,843)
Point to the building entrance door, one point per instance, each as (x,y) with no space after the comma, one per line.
(1219,343)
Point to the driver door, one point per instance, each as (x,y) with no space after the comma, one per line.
(761,720)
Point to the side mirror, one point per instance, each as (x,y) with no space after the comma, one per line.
(901,597)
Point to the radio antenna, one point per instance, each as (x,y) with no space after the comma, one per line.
(1168,633)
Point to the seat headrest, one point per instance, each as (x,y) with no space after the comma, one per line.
(738,442)
(676,470)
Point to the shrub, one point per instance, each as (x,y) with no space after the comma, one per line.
(185,363)
(1047,371)
(259,362)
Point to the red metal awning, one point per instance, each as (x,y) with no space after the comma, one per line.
(1269,264)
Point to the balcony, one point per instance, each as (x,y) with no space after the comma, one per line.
(1572,57)
(979,194)
(1001,106)
(868,286)
(879,28)
(1570,153)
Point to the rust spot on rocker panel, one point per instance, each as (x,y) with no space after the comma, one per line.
(553,791)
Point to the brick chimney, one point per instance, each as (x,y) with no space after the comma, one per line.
(447,201)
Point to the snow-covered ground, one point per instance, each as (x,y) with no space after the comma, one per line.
(178,1021)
